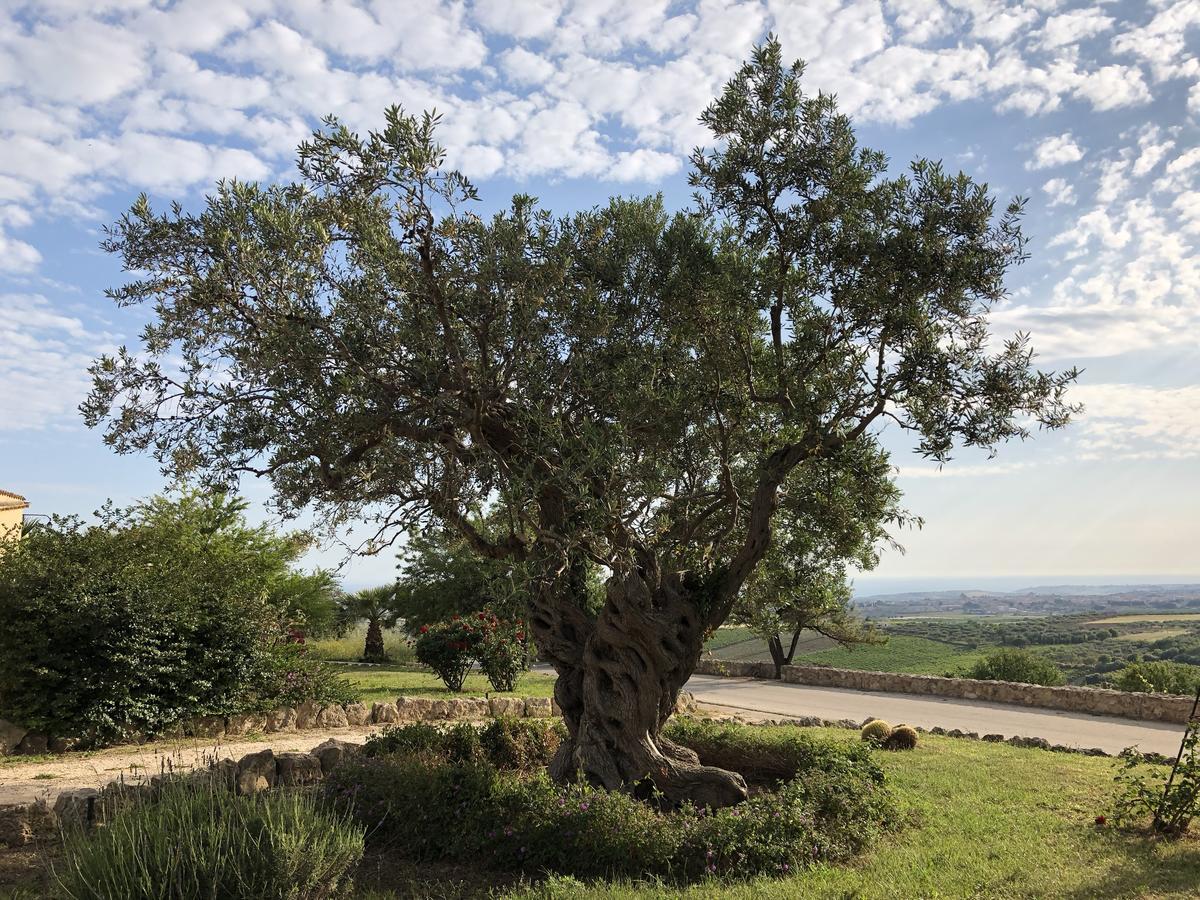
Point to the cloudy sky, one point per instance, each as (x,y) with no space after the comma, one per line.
(1088,109)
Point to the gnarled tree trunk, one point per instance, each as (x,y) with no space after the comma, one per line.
(619,678)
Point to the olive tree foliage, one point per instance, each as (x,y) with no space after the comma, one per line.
(642,390)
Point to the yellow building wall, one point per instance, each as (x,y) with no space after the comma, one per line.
(10,523)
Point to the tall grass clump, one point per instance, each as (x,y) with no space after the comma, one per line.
(194,839)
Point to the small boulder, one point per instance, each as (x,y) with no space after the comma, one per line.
(332,716)
(383,712)
(441,710)
(245,723)
(282,719)
(63,744)
(1033,743)
(11,736)
(256,772)
(34,743)
(414,709)
(297,768)
(77,807)
(358,714)
(21,825)
(993,738)
(306,715)
(332,752)
(513,707)
(537,706)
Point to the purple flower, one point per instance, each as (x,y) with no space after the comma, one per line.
(584,806)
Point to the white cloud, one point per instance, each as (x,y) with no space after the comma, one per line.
(1137,421)
(1060,192)
(524,67)
(43,362)
(1055,151)
(643,165)
(1073,27)
(527,19)
(17,256)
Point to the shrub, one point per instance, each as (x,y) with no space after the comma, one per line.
(501,650)
(902,737)
(506,743)
(520,743)
(449,649)
(768,755)
(1170,808)
(160,612)
(194,839)
(429,809)
(291,675)
(876,731)
(1019,666)
(1158,677)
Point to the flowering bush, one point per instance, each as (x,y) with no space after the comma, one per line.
(499,646)
(502,651)
(449,649)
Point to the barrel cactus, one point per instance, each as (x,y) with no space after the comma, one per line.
(876,731)
(903,737)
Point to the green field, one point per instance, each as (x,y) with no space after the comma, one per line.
(983,821)
(1147,617)
(388,683)
(915,655)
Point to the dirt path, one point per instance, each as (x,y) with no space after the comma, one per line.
(25,782)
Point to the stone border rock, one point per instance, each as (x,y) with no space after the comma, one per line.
(312,716)
(1094,701)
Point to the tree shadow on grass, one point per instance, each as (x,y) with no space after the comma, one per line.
(1146,865)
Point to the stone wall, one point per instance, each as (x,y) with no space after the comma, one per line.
(1096,701)
(312,716)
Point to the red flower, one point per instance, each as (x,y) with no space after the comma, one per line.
(424,628)
(520,635)
(1101,820)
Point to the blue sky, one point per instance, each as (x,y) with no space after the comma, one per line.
(1091,110)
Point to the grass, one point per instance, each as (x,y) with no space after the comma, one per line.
(389,682)
(349,647)
(984,821)
(914,655)
(1147,617)
(1154,634)
(727,635)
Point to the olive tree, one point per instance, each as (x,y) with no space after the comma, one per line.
(640,390)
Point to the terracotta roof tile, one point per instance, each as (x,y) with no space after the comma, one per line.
(9,500)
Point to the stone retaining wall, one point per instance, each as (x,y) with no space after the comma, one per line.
(1096,701)
(312,716)
(22,824)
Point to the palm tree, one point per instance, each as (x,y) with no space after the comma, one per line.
(377,607)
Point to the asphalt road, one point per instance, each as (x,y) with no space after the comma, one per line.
(1072,729)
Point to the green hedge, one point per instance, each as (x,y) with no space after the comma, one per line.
(162,612)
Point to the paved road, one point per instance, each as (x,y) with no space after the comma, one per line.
(1073,729)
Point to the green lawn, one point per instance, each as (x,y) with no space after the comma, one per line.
(915,655)
(389,682)
(984,821)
